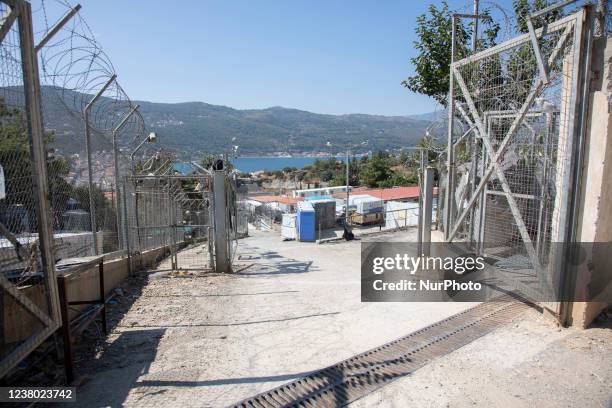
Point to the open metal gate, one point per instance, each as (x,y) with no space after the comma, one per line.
(514,128)
(171,213)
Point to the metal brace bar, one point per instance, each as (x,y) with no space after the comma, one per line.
(518,195)
(7,23)
(172,176)
(492,115)
(465,116)
(25,301)
(538,53)
(496,114)
(23,349)
(464,135)
(58,26)
(460,15)
(552,7)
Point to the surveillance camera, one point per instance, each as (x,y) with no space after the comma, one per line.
(152,137)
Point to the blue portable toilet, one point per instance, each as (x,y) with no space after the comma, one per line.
(305,221)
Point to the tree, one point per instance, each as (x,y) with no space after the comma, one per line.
(403,158)
(15,157)
(432,64)
(399,180)
(376,170)
(522,66)
(522,8)
(208,160)
(18,170)
(339,179)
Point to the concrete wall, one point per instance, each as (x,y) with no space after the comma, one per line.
(85,285)
(20,324)
(595,219)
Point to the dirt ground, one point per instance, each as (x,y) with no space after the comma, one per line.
(295,307)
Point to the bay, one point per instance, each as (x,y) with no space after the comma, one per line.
(251,164)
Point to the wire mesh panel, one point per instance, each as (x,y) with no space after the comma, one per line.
(510,171)
(172,213)
(28,299)
(241,210)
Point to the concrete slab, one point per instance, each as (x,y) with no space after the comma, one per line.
(532,363)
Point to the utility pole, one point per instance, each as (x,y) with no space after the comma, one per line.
(348,152)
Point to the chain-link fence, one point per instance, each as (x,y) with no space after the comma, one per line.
(393,216)
(171,213)
(28,297)
(68,133)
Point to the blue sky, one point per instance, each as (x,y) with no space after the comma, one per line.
(333,57)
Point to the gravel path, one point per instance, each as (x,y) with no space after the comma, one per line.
(211,340)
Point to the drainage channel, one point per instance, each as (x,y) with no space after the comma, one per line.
(351,379)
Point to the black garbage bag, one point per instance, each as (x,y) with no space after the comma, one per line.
(347,234)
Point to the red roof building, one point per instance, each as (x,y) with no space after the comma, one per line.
(410,193)
(276,199)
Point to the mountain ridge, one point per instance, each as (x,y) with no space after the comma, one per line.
(195,128)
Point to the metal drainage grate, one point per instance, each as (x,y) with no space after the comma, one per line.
(351,379)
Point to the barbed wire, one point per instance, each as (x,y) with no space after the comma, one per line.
(75,68)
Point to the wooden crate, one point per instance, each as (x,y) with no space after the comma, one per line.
(365,219)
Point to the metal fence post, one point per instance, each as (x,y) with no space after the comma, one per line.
(428,177)
(126,231)
(118,193)
(37,151)
(222,261)
(92,204)
(420,213)
(450,160)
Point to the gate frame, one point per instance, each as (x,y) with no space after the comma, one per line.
(577,25)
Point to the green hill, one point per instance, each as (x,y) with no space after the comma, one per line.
(194,128)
